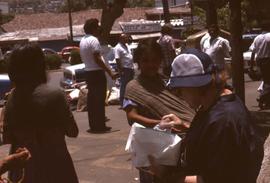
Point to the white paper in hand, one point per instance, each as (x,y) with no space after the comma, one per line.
(164,146)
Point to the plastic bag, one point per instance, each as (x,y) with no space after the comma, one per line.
(164,146)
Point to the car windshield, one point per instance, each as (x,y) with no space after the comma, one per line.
(67,75)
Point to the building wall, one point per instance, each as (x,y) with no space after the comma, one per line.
(4,7)
(158,3)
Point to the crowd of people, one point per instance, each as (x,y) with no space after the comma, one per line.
(220,143)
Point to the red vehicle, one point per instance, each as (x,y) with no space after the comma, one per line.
(65,52)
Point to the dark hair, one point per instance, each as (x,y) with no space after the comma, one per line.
(166,29)
(214,26)
(265,26)
(90,26)
(26,65)
(147,46)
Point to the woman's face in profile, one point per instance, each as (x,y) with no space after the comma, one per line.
(150,64)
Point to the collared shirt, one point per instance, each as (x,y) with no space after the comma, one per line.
(218,49)
(123,53)
(88,46)
(167,46)
(261,46)
(222,145)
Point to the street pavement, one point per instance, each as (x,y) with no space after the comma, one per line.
(101,158)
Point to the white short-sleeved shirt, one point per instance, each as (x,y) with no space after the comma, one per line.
(123,53)
(217,50)
(261,46)
(88,46)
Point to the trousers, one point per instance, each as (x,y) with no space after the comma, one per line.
(126,76)
(96,84)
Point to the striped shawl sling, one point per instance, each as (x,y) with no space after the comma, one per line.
(155,100)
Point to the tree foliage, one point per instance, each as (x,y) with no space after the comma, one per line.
(223,14)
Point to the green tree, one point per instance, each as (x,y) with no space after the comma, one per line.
(223,14)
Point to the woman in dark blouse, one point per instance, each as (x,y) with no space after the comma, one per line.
(37,117)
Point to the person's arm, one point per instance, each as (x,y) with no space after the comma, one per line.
(172,43)
(253,49)
(252,60)
(174,122)
(14,161)
(117,55)
(119,65)
(99,60)
(66,117)
(133,115)
(192,179)
(226,48)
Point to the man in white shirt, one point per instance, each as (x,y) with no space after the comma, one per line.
(261,48)
(215,46)
(166,42)
(95,68)
(124,60)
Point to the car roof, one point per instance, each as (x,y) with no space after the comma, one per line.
(75,67)
(4,77)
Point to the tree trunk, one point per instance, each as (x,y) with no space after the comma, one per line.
(166,11)
(110,12)
(70,21)
(211,13)
(237,55)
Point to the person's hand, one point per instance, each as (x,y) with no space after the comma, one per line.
(171,121)
(166,123)
(16,160)
(114,75)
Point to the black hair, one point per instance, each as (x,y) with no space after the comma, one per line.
(26,65)
(214,26)
(90,26)
(166,29)
(147,46)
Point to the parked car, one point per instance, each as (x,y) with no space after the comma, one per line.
(49,51)
(75,75)
(66,51)
(5,85)
(72,75)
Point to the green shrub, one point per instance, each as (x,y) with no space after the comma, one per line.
(53,61)
(75,57)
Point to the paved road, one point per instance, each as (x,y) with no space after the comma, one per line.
(100,158)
